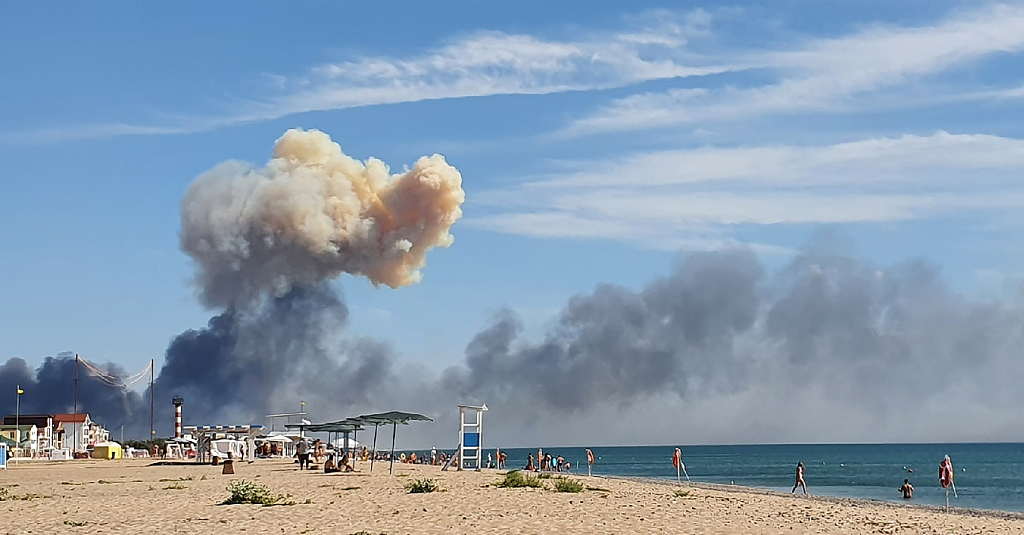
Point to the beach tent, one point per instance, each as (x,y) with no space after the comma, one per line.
(227,448)
(107,450)
(201,431)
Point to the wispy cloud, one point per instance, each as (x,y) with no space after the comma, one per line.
(650,197)
(484,63)
(824,74)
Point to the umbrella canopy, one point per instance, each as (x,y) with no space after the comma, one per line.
(394,418)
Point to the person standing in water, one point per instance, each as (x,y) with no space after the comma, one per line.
(799,478)
(907,489)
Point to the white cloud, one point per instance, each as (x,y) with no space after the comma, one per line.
(824,74)
(652,197)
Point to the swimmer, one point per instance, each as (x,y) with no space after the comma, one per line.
(907,489)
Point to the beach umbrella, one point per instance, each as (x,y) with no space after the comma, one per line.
(946,478)
(394,418)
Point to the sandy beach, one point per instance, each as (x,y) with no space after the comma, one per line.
(135,497)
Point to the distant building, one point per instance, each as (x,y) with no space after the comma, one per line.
(26,436)
(79,427)
(43,422)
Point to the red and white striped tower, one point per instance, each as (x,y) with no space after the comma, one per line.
(178,402)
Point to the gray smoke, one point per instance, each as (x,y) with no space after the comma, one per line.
(829,347)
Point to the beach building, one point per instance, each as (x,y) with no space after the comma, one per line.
(26,436)
(78,432)
(44,425)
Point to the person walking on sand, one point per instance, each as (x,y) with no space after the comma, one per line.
(799,478)
(907,489)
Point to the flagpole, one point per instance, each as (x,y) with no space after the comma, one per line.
(17,420)
(74,423)
(152,432)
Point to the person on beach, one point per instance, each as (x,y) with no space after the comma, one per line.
(799,478)
(907,489)
(529,463)
(501,460)
(303,451)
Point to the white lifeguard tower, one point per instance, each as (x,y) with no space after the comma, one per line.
(471,437)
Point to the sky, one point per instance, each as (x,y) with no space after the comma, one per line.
(598,143)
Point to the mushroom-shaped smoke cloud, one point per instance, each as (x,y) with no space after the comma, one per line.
(311,214)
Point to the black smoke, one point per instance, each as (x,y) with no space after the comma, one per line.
(50,389)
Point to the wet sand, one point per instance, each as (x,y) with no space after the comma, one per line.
(134,497)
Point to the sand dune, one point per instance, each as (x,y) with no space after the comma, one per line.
(133,497)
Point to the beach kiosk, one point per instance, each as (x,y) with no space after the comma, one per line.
(471,436)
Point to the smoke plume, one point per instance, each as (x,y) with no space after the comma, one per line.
(311,214)
(266,242)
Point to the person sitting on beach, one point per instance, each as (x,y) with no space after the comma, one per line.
(907,489)
(345,465)
(529,463)
(329,466)
(799,478)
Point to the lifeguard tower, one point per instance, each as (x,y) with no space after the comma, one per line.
(471,436)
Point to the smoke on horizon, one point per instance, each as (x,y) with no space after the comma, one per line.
(829,348)
(266,242)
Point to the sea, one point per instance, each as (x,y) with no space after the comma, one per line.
(988,476)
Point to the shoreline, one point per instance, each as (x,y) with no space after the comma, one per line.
(744,489)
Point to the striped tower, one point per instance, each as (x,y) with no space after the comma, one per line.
(178,402)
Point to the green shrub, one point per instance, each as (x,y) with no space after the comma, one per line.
(249,492)
(516,479)
(568,485)
(682,494)
(421,485)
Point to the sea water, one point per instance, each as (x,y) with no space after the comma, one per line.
(988,476)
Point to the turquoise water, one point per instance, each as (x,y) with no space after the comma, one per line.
(988,476)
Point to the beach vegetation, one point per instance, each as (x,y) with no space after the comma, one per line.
(421,485)
(516,479)
(568,485)
(249,492)
(171,479)
(598,489)
(683,494)
(543,476)
(70,483)
(176,486)
(74,524)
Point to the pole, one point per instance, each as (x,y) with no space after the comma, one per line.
(152,396)
(947,499)
(374,452)
(394,431)
(17,420)
(74,424)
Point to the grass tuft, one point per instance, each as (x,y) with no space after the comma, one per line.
(421,486)
(682,494)
(568,485)
(249,492)
(176,486)
(598,489)
(516,479)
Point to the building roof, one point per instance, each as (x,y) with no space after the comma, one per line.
(71,418)
(40,420)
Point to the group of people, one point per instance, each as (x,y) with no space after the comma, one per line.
(318,452)
(907,489)
(545,462)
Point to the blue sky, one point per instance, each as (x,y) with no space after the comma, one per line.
(596,141)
